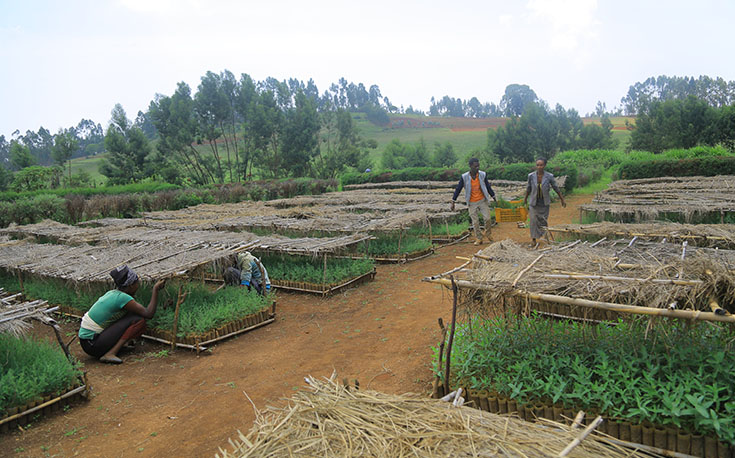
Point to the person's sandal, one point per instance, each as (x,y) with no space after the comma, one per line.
(111,360)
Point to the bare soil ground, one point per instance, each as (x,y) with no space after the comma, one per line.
(177,404)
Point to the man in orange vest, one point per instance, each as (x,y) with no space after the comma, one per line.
(478,192)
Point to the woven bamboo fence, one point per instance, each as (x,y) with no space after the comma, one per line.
(333,420)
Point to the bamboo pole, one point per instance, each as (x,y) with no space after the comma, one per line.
(45,404)
(665,281)
(620,308)
(588,430)
(518,277)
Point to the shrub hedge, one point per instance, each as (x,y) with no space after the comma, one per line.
(79,205)
(513,172)
(664,167)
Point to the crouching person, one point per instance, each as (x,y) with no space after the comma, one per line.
(100,335)
(249,272)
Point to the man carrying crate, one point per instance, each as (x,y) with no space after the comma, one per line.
(478,192)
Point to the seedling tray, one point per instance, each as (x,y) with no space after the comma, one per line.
(44,406)
(320,288)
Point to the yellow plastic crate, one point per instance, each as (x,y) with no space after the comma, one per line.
(511,215)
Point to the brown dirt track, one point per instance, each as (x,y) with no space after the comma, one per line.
(379,333)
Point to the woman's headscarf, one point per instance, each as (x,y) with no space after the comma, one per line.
(124,276)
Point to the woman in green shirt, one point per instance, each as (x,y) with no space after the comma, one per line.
(100,334)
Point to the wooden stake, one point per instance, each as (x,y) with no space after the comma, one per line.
(179,301)
(451,335)
(20,280)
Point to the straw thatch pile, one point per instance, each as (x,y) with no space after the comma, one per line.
(641,274)
(711,235)
(16,313)
(687,198)
(330,420)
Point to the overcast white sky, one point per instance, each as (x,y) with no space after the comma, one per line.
(67,60)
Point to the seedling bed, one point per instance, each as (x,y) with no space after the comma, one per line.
(668,378)
(35,377)
(198,341)
(319,288)
(205,316)
(405,257)
(44,406)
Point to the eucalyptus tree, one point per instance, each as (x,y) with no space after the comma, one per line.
(65,144)
(128,149)
(300,135)
(213,110)
(175,120)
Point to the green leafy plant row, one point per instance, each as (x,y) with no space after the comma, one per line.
(30,369)
(673,375)
(311,270)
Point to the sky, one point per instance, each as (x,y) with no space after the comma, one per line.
(62,61)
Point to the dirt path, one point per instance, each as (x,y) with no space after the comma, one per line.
(380,333)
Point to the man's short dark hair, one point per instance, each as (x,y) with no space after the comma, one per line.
(542,159)
(473,160)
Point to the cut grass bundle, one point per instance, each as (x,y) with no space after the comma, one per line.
(673,375)
(334,421)
(311,270)
(30,369)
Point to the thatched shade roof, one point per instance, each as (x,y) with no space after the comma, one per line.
(641,273)
(135,231)
(713,235)
(648,199)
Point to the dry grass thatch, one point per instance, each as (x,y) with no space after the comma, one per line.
(16,313)
(688,198)
(632,273)
(706,235)
(330,420)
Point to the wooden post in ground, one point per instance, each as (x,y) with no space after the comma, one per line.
(179,300)
(451,335)
(400,236)
(20,280)
(324,276)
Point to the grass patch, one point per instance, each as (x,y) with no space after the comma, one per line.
(438,229)
(599,185)
(30,369)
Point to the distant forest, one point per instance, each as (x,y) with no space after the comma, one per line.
(231,126)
